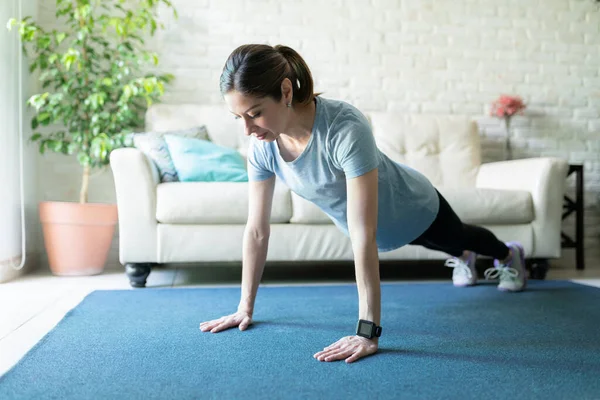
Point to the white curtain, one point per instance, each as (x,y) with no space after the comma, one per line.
(10,198)
(15,87)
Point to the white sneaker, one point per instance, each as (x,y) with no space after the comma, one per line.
(513,277)
(464,273)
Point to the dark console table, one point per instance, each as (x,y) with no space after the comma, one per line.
(575,206)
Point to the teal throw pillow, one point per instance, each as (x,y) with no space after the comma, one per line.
(198,160)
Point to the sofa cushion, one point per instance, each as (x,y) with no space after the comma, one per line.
(490,206)
(472,205)
(214,203)
(306,212)
(445,148)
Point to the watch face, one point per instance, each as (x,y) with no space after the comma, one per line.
(365,329)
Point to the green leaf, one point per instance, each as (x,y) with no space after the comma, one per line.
(33,66)
(148,85)
(65,148)
(34,124)
(168,77)
(57,146)
(127,91)
(28,32)
(69,58)
(43,42)
(83,158)
(35,137)
(43,117)
(60,37)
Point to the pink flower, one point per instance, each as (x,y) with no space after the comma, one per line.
(507,106)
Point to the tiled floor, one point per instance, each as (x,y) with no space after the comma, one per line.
(33,304)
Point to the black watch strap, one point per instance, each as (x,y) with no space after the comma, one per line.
(368,329)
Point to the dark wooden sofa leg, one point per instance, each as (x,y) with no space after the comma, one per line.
(137,274)
(538,268)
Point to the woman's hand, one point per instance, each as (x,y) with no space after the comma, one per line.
(350,348)
(241,318)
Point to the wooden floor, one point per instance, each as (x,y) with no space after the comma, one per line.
(33,304)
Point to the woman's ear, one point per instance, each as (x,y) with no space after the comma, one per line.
(287,91)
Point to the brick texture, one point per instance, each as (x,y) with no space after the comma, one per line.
(406,56)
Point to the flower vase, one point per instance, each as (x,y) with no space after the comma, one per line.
(508,148)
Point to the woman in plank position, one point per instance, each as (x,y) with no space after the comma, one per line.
(325,152)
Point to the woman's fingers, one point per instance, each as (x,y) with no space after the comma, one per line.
(209,325)
(321,355)
(222,326)
(241,319)
(349,348)
(229,321)
(337,355)
(354,357)
(245,323)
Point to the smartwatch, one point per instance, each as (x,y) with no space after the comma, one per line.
(367,329)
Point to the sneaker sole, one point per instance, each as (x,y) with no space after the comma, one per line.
(464,285)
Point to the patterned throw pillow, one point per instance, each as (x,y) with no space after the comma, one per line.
(153,144)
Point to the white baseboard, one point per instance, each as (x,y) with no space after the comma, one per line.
(9,273)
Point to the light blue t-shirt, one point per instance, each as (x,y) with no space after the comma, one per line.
(341,147)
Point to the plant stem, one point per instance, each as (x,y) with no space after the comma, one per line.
(83,194)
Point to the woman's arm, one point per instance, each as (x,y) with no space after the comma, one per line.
(256,240)
(255,246)
(362,225)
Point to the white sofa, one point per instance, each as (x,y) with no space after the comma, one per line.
(204,221)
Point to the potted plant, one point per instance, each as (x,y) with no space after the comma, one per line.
(94,95)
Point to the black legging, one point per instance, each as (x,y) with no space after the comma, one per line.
(448,234)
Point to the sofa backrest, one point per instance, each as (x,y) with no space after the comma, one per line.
(445,148)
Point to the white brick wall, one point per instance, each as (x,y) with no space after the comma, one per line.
(418,56)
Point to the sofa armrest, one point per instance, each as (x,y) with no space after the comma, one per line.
(136,178)
(545,178)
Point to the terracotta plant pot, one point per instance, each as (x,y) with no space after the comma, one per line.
(77,236)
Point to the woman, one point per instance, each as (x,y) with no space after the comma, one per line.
(324,151)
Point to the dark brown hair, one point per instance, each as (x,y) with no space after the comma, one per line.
(258,70)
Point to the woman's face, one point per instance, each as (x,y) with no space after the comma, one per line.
(263,118)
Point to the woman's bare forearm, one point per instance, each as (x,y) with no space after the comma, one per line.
(255,247)
(366,260)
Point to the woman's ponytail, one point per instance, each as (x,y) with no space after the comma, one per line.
(303,82)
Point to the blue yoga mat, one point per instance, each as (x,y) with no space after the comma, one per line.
(439,342)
